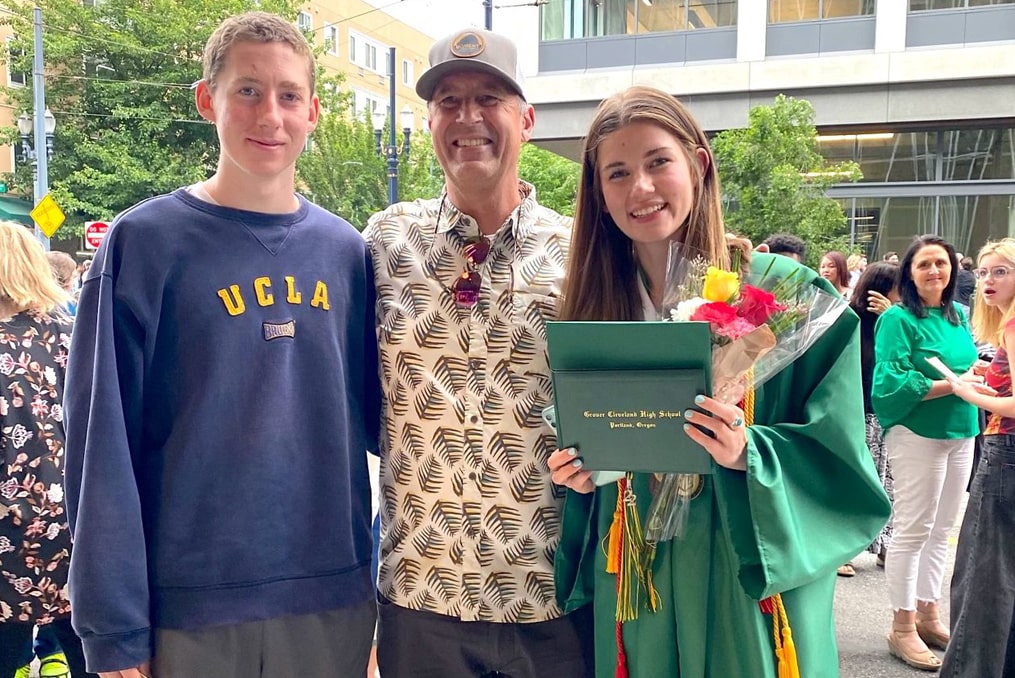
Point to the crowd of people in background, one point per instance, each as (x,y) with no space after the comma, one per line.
(203,431)
(925,433)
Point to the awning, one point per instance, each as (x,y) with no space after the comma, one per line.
(16,209)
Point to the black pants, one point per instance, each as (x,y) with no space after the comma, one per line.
(16,647)
(414,644)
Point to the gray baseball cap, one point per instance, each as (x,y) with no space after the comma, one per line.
(471,49)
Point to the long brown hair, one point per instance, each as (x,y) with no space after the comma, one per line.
(602,271)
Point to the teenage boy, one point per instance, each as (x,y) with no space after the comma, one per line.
(220,398)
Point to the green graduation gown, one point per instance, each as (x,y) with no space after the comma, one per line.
(809,501)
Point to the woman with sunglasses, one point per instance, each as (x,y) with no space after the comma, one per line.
(793,493)
(929,438)
(983,583)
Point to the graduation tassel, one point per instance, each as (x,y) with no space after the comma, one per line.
(788,647)
(782,635)
(621,671)
(614,556)
(639,556)
(627,595)
(613,543)
(630,558)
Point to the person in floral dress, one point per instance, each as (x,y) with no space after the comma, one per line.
(35,540)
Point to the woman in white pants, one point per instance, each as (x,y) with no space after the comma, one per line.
(929,440)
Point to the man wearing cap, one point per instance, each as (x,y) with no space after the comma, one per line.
(465,284)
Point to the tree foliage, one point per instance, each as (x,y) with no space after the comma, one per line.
(118,81)
(119,76)
(343,173)
(555,178)
(774,178)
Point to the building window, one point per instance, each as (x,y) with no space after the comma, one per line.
(782,11)
(14,78)
(930,5)
(364,53)
(658,16)
(331,39)
(364,103)
(407,79)
(904,172)
(569,19)
(305,22)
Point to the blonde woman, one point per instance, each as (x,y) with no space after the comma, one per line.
(34,537)
(983,583)
(856,264)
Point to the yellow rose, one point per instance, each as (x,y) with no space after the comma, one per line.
(720,285)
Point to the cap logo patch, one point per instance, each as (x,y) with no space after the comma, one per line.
(468,45)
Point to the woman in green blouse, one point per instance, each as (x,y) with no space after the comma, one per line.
(929,439)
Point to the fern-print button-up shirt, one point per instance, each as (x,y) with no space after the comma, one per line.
(469,516)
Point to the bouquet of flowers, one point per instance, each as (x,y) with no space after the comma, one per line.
(759,324)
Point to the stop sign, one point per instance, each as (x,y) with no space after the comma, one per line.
(95,231)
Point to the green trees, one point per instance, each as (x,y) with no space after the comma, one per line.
(774,178)
(555,178)
(118,81)
(342,171)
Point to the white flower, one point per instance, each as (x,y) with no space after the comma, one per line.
(55,493)
(56,413)
(3,406)
(5,545)
(9,488)
(6,364)
(50,375)
(19,436)
(53,531)
(22,585)
(686,309)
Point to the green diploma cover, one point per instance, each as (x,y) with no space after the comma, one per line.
(621,390)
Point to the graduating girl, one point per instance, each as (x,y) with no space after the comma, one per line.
(793,493)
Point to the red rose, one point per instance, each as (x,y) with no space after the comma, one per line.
(718,313)
(757,306)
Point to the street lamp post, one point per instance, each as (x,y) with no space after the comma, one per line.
(391,151)
(379,118)
(42,123)
(30,150)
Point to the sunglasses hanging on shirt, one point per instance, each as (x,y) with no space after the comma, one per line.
(465,289)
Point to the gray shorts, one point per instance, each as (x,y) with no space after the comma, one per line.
(334,644)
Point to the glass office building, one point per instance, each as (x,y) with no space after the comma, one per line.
(920,93)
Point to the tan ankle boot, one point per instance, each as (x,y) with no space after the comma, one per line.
(925,660)
(925,626)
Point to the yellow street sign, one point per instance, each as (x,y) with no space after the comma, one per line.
(48,215)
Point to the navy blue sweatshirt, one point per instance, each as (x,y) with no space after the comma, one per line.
(221,394)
